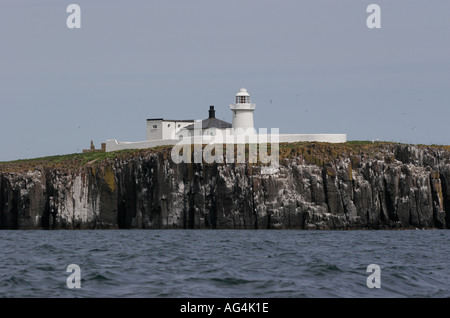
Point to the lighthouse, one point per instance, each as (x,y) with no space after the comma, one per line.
(242,131)
(243,113)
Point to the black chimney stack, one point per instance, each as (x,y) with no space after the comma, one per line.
(212,112)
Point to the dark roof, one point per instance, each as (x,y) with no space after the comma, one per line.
(180,120)
(212,123)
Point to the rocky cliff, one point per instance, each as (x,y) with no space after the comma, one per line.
(317,186)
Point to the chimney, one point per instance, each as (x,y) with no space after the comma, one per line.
(212,112)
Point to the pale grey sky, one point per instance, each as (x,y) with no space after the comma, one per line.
(323,69)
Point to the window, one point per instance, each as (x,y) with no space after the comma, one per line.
(179,125)
(155,126)
(168,125)
(242,99)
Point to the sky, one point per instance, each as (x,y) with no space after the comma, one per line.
(310,66)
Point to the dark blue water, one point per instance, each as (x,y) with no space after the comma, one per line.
(224,263)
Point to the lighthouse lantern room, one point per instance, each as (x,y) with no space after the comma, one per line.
(243,113)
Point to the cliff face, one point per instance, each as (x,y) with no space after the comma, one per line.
(317,186)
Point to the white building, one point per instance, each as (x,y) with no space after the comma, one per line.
(168,132)
(160,128)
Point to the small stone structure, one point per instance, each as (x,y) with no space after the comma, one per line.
(92,149)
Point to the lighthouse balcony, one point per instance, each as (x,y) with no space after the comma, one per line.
(242,106)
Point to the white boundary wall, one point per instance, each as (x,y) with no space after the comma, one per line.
(331,138)
(114,145)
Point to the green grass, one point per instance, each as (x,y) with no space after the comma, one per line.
(315,151)
(359,142)
(71,161)
(367,142)
(81,158)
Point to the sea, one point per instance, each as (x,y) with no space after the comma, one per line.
(224,263)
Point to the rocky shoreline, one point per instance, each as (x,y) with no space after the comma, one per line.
(317,186)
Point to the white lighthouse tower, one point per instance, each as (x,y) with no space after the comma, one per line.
(243,113)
